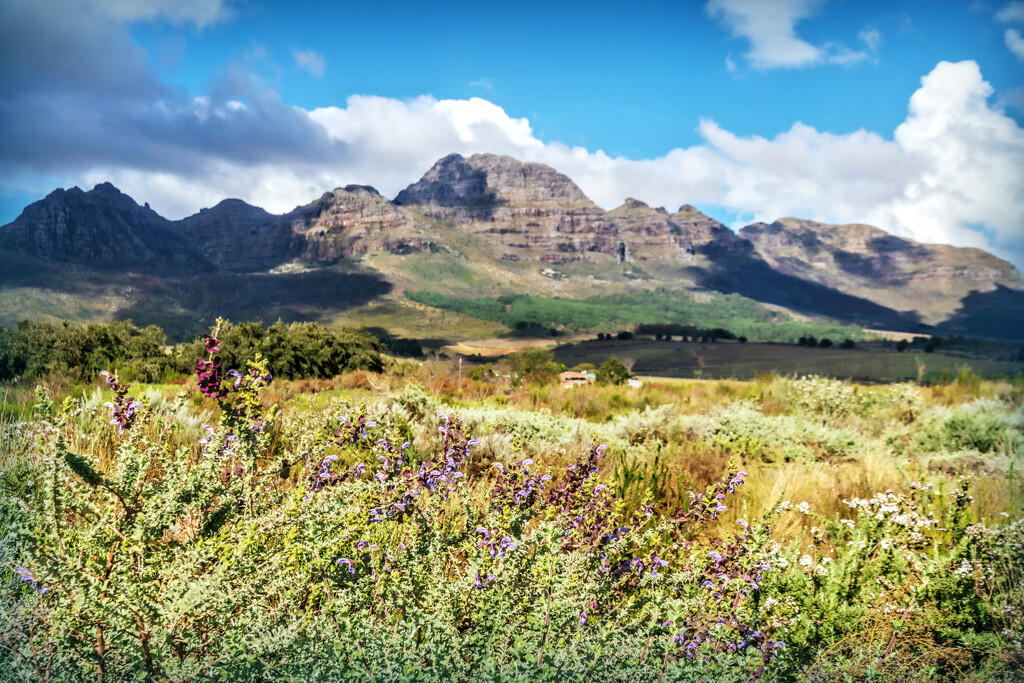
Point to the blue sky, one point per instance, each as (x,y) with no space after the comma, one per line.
(906,115)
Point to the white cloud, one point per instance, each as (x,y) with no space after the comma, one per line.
(971,188)
(1011,13)
(311,61)
(484,83)
(871,37)
(1015,42)
(770,26)
(201,13)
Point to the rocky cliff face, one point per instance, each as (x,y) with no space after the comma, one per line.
(524,210)
(237,236)
(648,234)
(353,221)
(101,227)
(870,263)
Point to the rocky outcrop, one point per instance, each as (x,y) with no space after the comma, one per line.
(351,221)
(101,227)
(648,234)
(237,236)
(523,210)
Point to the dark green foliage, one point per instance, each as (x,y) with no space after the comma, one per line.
(613,371)
(534,366)
(298,350)
(32,349)
(731,314)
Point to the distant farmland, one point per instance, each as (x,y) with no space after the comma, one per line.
(744,361)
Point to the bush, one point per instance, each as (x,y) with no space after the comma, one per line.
(533,366)
(612,371)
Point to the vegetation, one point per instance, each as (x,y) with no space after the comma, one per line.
(612,371)
(427,524)
(738,315)
(31,350)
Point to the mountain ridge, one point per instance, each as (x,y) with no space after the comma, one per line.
(505,223)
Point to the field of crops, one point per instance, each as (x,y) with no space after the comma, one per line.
(422,523)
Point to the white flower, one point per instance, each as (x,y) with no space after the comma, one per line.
(804,508)
(806,561)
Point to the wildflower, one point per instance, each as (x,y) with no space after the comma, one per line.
(806,561)
(350,563)
(28,577)
(804,508)
(506,544)
(583,618)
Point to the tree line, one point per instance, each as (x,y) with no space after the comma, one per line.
(34,349)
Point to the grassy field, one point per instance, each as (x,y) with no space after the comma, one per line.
(746,361)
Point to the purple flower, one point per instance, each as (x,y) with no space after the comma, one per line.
(506,544)
(583,618)
(350,563)
(28,577)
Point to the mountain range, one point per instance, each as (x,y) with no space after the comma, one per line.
(485,225)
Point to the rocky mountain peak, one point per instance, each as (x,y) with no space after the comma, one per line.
(518,182)
(103,227)
(450,182)
(353,220)
(470,189)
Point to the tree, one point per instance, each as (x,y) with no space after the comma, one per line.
(825,343)
(533,366)
(613,371)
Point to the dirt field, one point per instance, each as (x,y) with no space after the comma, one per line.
(744,361)
(497,347)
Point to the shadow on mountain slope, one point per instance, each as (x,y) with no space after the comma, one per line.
(998,314)
(184,307)
(746,274)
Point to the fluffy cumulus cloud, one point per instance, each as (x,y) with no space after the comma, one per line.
(770,28)
(952,172)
